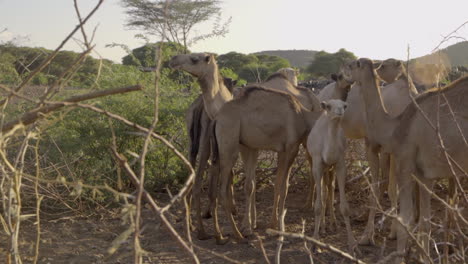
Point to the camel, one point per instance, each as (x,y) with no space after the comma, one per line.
(396,95)
(414,142)
(291,74)
(283,80)
(326,144)
(198,122)
(262,119)
(339,89)
(214,95)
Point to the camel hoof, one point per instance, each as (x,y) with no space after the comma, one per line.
(203,236)
(222,240)
(366,241)
(206,214)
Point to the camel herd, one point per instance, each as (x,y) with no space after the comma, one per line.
(408,137)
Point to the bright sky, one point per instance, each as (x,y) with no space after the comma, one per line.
(369,28)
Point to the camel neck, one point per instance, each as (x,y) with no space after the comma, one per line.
(332,128)
(379,124)
(215,94)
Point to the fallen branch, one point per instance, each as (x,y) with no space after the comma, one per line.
(316,243)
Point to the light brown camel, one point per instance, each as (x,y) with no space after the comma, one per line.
(290,73)
(283,80)
(354,125)
(215,94)
(339,89)
(396,96)
(326,144)
(198,123)
(414,141)
(262,119)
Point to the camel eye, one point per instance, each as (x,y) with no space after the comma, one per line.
(194,60)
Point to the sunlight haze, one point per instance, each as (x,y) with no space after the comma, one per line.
(374,29)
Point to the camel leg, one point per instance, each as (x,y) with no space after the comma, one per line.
(424,216)
(228,151)
(214,176)
(373,158)
(405,185)
(310,194)
(285,160)
(393,196)
(289,159)
(226,182)
(319,205)
(197,188)
(250,163)
(344,206)
(329,178)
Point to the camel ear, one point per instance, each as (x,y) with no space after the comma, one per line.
(334,77)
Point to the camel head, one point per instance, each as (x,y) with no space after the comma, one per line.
(197,64)
(359,70)
(341,83)
(229,83)
(335,108)
(290,73)
(390,70)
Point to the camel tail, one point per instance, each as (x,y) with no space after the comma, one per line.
(195,132)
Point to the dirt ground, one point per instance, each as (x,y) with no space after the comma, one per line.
(86,239)
(75,239)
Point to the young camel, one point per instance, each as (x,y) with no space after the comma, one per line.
(326,144)
(336,90)
(415,143)
(262,119)
(396,96)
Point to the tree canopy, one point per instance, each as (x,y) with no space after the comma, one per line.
(326,63)
(176,20)
(145,56)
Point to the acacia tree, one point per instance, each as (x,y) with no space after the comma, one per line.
(178,17)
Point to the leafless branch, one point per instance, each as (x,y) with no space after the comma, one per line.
(53,54)
(317,243)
